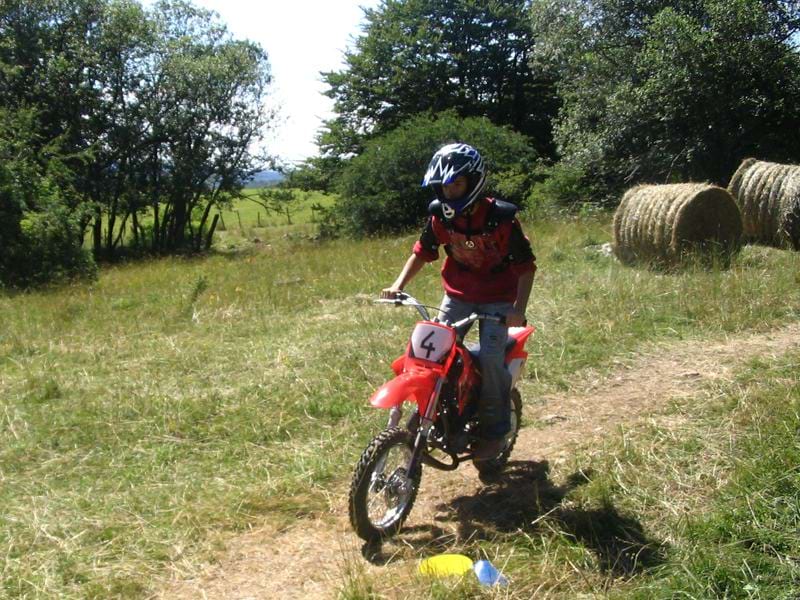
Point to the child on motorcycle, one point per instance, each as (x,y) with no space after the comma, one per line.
(489,268)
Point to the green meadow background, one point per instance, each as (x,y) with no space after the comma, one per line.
(148,416)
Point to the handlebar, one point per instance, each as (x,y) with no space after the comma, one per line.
(404,299)
(479,317)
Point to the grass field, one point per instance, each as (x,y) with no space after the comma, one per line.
(246,219)
(148,415)
(248,213)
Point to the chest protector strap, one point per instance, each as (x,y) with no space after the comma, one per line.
(500,211)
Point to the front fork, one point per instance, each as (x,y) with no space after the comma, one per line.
(425,423)
(394,417)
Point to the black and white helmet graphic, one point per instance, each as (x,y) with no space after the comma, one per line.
(447,164)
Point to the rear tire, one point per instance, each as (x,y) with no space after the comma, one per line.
(494,465)
(382,493)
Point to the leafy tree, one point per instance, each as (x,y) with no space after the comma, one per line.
(280,200)
(205,110)
(46,63)
(665,91)
(432,55)
(316,173)
(151,111)
(380,189)
(39,235)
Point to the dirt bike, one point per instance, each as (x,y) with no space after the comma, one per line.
(439,375)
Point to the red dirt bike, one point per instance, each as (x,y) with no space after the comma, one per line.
(439,375)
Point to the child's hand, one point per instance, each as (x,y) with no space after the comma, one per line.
(515,318)
(390,293)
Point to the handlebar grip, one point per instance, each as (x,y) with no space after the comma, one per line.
(398,299)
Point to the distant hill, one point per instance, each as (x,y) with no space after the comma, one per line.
(265,179)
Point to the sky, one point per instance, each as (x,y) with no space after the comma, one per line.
(302,38)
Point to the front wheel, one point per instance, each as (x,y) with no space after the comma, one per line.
(382,492)
(495,465)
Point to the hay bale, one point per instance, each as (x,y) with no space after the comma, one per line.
(662,224)
(768,196)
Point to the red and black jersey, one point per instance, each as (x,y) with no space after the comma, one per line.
(486,251)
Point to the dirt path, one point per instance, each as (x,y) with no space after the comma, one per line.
(312,558)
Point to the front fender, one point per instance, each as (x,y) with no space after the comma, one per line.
(415,386)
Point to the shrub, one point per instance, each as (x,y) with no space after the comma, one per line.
(380,189)
(40,238)
(568,186)
(47,250)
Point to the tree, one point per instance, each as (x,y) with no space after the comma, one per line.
(380,189)
(432,55)
(39,235)
(151,111)
(204,111)
(46,62)
(665,91)
(315,173)
(280,200)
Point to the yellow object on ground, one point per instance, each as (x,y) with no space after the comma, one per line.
(443,565)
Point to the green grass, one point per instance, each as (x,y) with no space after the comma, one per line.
(146,416)
(252,214)
(722,500)
(704,503)
(245,220)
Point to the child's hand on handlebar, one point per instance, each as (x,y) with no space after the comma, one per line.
(515,318)
(390,293)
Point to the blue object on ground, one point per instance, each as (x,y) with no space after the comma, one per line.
(488,575)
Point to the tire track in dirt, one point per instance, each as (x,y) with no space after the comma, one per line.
(312,558)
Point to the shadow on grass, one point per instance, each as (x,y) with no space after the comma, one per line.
(523,499)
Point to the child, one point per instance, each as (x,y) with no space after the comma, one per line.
(489,268)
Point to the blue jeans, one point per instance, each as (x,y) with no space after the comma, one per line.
(494,406)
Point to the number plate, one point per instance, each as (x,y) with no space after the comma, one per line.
(431,342)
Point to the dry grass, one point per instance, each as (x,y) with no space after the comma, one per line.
(171,404)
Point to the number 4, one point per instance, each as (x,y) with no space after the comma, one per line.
(429,348)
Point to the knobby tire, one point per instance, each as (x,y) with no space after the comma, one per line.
(362,478)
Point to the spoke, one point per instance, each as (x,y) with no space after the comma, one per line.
(371,503)
(385,504)
(377,483)
(381,464)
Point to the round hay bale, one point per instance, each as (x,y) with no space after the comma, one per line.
(662,224)
(768,196)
